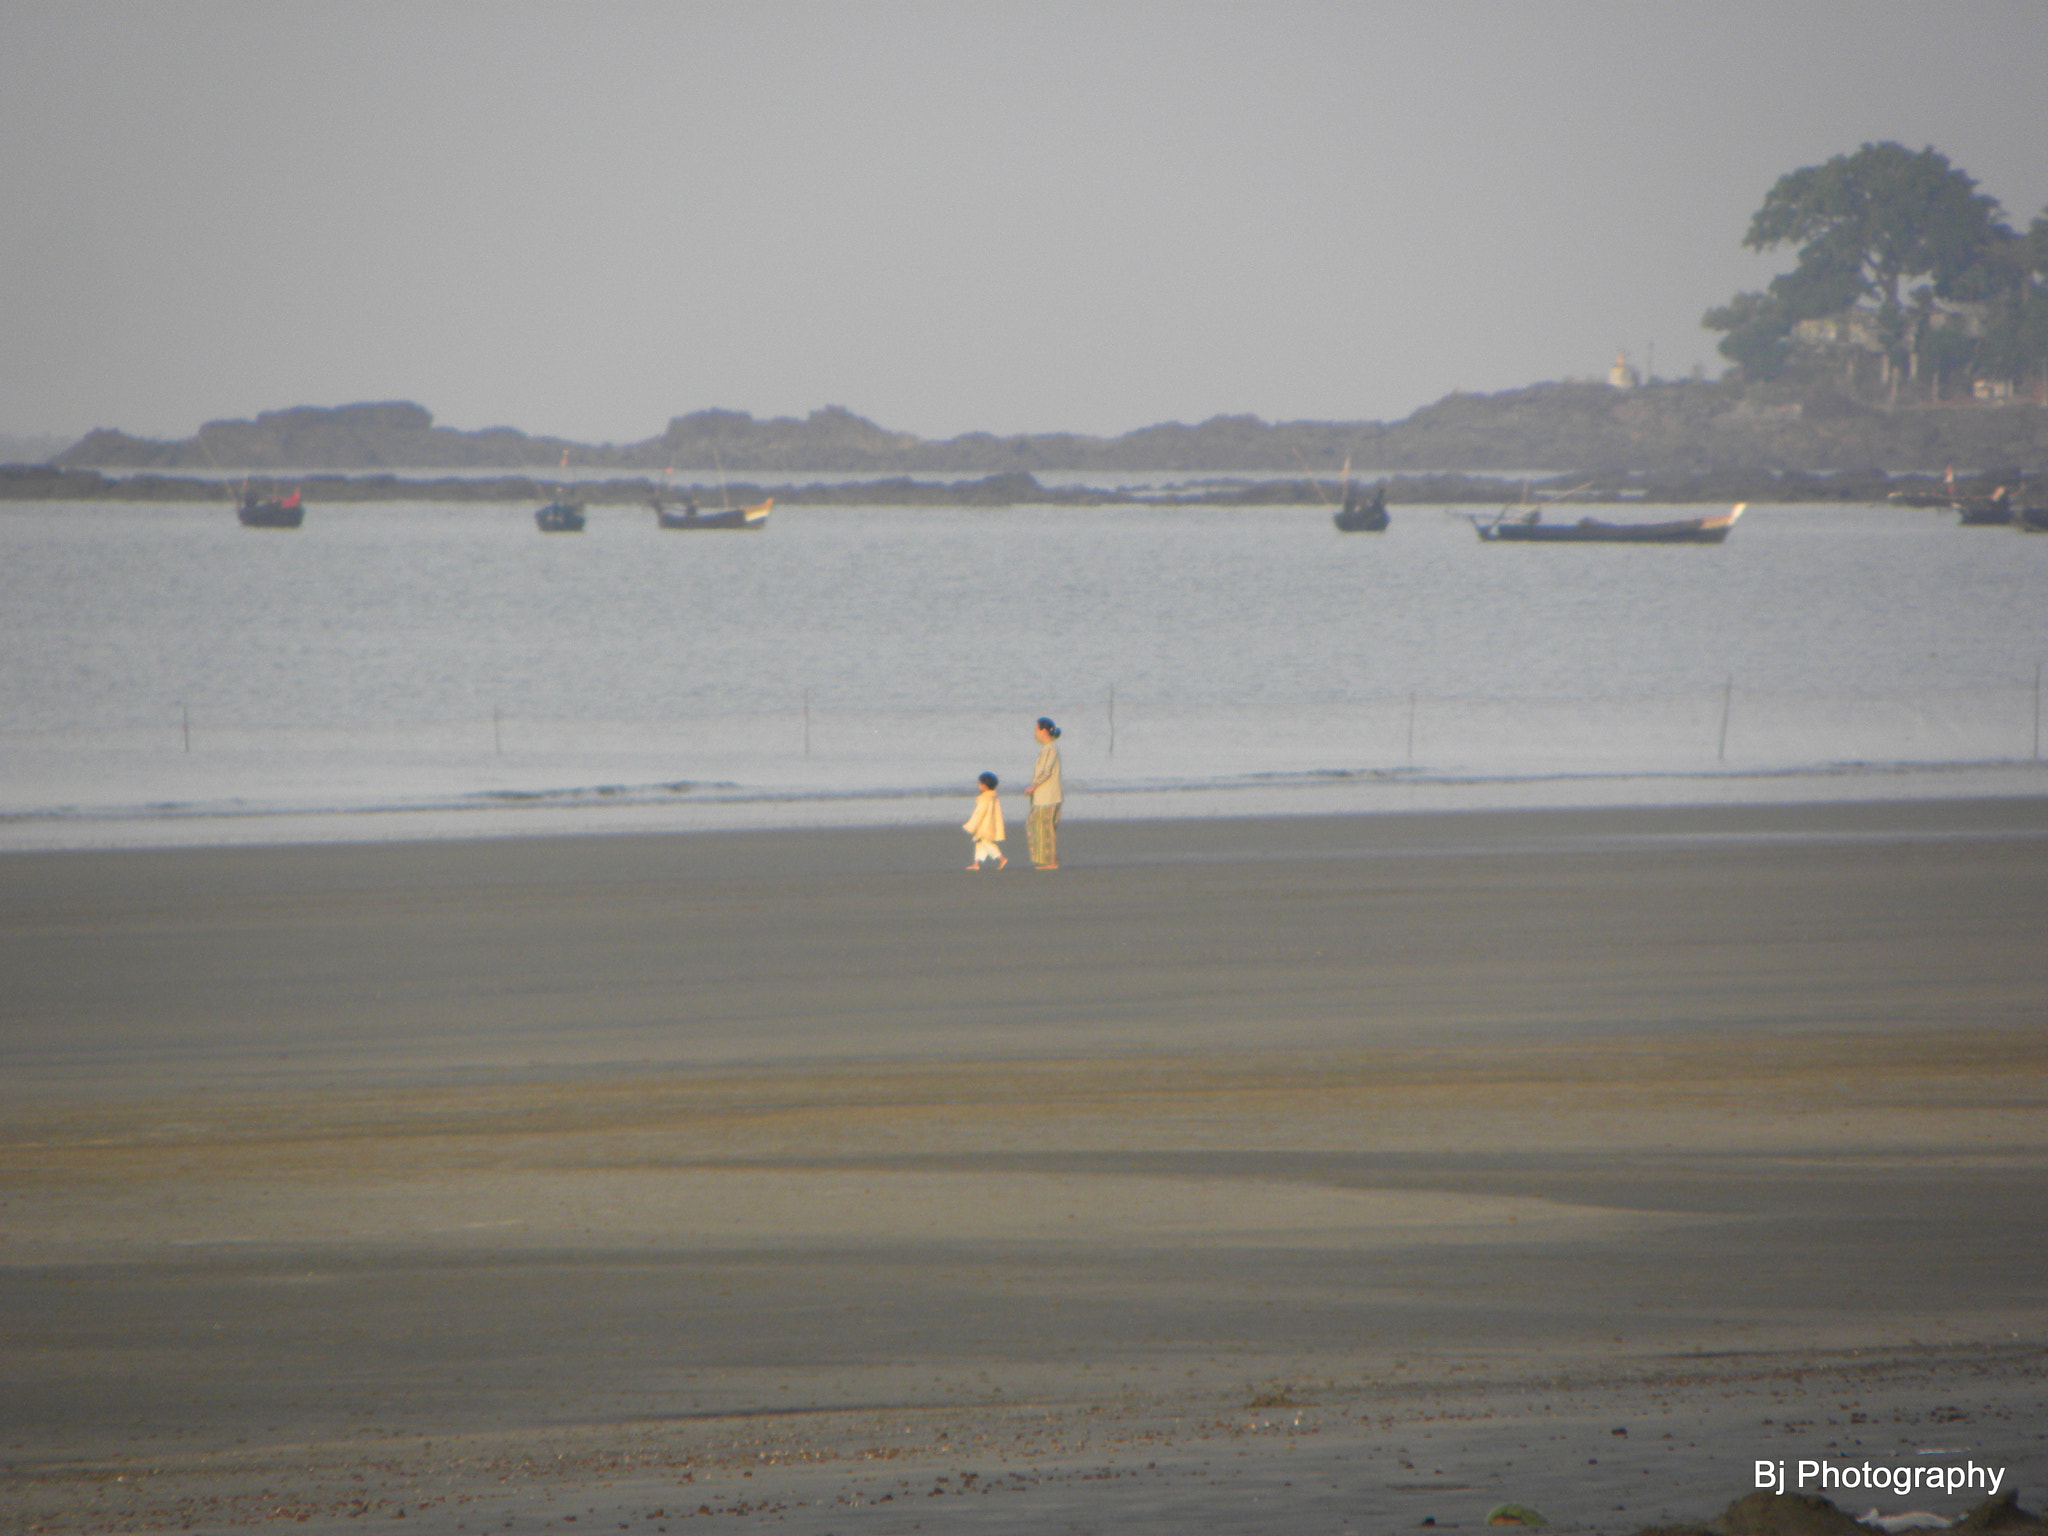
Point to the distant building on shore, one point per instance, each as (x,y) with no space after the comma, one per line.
(1939,337)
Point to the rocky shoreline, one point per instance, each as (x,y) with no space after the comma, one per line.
(45,482)
(1669,432)
(1664,443)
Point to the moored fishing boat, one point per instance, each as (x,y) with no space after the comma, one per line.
(690,518)
(258,511)
(1993,511)
(560,517)
(1511,527)
(1363,511)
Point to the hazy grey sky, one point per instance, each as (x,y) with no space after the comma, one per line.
(585,218)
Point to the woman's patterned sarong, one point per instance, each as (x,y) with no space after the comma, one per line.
(1042,827)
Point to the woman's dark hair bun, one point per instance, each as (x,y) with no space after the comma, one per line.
(1049,728)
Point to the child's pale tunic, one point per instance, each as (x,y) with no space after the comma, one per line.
(985,826)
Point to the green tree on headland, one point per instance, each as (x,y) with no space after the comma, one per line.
(1866,226)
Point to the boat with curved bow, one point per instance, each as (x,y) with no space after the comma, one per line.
(1513,527)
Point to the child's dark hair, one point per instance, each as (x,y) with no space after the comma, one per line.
(988,781)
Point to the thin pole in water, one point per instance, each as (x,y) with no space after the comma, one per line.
(1727,706)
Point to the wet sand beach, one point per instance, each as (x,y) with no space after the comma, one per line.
(1291,1174)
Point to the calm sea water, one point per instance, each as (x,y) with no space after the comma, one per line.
(164,666)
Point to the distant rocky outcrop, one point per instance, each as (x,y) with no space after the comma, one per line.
(1670,431)
(393,434)
(830,440)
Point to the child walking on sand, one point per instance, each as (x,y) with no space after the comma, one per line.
(985,826)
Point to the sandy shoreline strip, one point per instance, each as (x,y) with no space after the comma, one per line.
(1285,1174)
(48,820)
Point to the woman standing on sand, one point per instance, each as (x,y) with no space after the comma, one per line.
(1042,826)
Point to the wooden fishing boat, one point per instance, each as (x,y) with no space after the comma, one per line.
(257,511)
(1985,514)
(1363,511)
(1513,527)
(690,518)
(560,517)
(1993,511)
